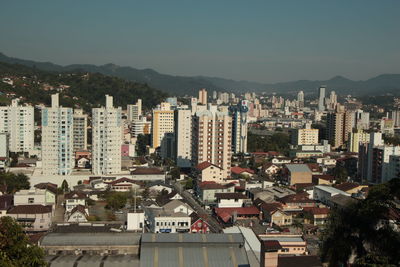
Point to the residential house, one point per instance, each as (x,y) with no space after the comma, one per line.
(208,172)
(199,224)
(242,172)
(297,174)
(274,213)
(125,185)
(33,218)
(99,184)
(178,206)
(73,199)
(78,214)
(319,214)
(288,245)
(270,169)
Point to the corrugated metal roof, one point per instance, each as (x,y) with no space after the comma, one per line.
(90,239)
(298,168)
(197,250)
(93,260)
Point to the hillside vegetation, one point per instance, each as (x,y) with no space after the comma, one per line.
(77,89)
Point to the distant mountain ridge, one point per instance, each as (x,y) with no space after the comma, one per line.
(189,85)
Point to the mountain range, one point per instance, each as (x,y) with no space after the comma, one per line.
(189,85)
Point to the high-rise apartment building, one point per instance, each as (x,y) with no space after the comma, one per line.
(203,96)
(57,139)
(80,130)
(335,128)
(321,98)
(162,123)
(134,111)
(395,116)
(239,126)
(300,99)
(106,139)
(357,137)
(305,136)
(361,119)
(212,133)
(18,122)
(183,137)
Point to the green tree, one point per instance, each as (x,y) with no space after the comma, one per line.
(64,186)
(362,231)
(141,144)
(189,183)
(175,173)
(116,200)
(15,249)
(340,174)
(14,182)
(145,193)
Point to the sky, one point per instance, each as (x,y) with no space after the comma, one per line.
(256,40)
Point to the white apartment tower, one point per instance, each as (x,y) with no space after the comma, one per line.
(57,139)
(183,137)
(321,98)
(18,122)
(212,133)
(106,139)
(80,130)
(300,99)
(134,111)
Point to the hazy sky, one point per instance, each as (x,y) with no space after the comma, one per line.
(266,41)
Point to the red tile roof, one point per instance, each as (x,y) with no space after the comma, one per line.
(316,210)
(29,209)
(214,185)
(226,213)
(270,207)
(205,165)
(146,171)
(239,170)
(346,186)
(302,197)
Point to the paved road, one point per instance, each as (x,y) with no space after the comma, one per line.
(59,210)
(212,222)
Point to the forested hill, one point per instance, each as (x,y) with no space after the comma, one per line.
(77,89)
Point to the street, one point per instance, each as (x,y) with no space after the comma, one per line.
(212,222)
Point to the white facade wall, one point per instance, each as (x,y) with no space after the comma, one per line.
(183,135)
(80,130)
(18,122)
(106,139)
(57,139)
(135,221)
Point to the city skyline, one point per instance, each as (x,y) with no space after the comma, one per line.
(264,42)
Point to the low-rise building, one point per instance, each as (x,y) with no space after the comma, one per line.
(199,224)
(159,220)
(230,200)
(324,193)
(242,172)
(290,244)
(148,174)
(209,172)
(207,191)
(274,214)
(297,201)
(6,202)
(125,185)
(231,215)
(297,174)
(32,218)
(34,197)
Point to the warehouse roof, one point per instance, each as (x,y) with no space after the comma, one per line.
(90,239)
(183,250)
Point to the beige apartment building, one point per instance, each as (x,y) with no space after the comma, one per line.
(212,139)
